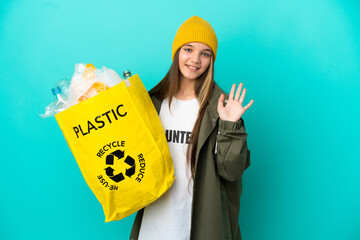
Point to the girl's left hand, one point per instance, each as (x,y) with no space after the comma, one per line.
(233,110)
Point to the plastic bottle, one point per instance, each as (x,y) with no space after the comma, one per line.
(89,72)
(60,100)
(60,103)
(127,75)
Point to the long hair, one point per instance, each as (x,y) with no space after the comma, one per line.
(169,86)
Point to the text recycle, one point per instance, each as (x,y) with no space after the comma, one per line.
(115,154)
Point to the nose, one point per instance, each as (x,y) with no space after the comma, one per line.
(196,58)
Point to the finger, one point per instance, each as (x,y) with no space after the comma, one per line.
(241,100)
(248,105)
(237,95)
(231,95)
(221,102)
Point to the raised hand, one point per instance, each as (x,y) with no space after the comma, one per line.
(233,109)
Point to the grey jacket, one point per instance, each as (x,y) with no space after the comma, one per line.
(221,158)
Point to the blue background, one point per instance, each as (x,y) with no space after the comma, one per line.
(299,61)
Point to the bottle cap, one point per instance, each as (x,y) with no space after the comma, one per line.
(55,90)
(126,74)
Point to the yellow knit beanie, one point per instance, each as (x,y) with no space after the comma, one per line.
(195,29)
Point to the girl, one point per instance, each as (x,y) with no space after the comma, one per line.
(207,141)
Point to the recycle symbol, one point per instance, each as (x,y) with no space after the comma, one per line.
(118,155)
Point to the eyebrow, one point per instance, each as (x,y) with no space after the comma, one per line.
(207,49)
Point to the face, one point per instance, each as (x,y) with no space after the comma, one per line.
(194,59)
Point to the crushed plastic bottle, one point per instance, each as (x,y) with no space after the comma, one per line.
(60,103)
(60,100)
(89,72)
(93,90)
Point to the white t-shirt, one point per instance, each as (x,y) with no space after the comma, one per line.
(169,217)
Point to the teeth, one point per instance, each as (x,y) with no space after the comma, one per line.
(193,68)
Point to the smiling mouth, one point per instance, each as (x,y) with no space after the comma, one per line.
(192,68)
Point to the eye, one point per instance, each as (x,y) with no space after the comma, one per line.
(206,54)
(187,49)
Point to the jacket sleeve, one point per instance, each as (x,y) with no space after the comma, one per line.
(232,154)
